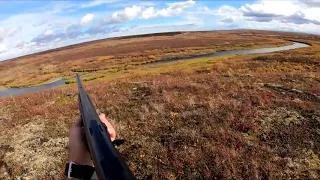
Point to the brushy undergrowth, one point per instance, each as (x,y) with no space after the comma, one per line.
(236,117)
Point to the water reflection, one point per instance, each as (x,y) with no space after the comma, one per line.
(235,52)
(18,91)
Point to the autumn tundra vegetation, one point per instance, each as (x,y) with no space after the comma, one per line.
(232,117)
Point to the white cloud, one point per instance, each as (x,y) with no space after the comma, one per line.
(48,33)
(3,48)
(20,45)
(172,9)
(8,32)
(124,4)
(3,34)
(97,3)
(20,28)
(147,13)
(282,7)
(284,11)
(228,13)
(130,12)
(228,20)
(178,6)
(272,15)
(121,16)
(87,19)
(311,3)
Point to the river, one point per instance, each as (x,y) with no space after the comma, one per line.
(235,52)
(61,82)
(18,91)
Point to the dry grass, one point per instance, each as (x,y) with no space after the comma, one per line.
(118,54)
(236,117)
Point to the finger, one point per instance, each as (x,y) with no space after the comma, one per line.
(77,122)
(98,111)
(110,128)
(102,116)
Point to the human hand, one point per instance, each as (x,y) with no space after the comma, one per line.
(78,150)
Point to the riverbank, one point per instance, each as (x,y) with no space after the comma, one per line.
(110,56)
(19,91)
(88,77)
(235,51)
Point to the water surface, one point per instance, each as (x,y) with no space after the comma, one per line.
(18,91)
(235,52)
(60,82)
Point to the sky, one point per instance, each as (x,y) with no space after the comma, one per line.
(28,27)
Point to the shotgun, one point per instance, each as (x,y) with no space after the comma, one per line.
(106,158)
